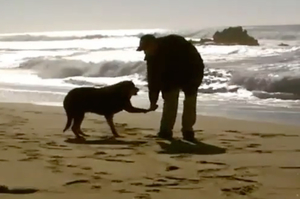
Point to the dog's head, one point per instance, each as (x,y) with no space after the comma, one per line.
(129,88)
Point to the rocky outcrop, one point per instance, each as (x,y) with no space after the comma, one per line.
(283,44)
(234,36)
(230,36)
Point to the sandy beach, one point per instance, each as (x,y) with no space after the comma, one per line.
(235,159)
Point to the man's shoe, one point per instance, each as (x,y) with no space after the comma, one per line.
(189,136)
(165,135)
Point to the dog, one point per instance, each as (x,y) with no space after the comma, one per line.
(105,101)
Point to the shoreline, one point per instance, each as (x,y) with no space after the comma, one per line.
(155,114)
(241,116)
(206,106)
(234,115)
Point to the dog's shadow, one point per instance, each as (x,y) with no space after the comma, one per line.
(182,147)
(105,141)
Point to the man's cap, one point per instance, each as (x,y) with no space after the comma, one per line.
(145,40)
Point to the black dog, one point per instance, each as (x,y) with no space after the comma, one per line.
(105,101)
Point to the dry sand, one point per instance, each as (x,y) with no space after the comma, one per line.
(236,159)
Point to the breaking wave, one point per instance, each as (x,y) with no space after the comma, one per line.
(215,80)
(63,68)
(283,85)
(31,37)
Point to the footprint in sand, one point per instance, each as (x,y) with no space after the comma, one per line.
(181,156)
(253,145)
(31,155)
(102,173)
(172,168)
(100,153)
(56,156)
(231,177)
(153,190)
(162,184)
(139,129)
(25,141)
(54,146)
(230,140)
(142,196)
(96,177)
(76,182)
(14,147)
(137,183)
(243,190)
(169,182)
(123,191)
(78,174)
(272,135)
(232,131)
(121,124)
(19,134)
(261,151)
(250,171)
(118,160)
(181,180)
(71,166)
(215,163)
(56,162)
(86,168)
(96,187)
(116,181)
(208,170)
(34,112)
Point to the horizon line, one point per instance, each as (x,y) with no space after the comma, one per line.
(115,29)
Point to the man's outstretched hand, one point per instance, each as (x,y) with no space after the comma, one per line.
(153,107)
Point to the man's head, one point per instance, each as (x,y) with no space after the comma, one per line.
(147,44)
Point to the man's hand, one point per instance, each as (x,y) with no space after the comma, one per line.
(153,107)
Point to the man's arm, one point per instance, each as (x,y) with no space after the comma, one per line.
(153,78)
(131,109)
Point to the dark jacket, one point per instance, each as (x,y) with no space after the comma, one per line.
(175,65)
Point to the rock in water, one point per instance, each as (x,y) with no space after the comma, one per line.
(234,36)
(283,44)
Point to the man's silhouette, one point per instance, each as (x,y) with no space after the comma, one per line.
(173,64)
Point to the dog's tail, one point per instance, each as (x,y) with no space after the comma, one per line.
(69,121)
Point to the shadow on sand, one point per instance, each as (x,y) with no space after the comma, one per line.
(6,190)
(106,141)
(182,147)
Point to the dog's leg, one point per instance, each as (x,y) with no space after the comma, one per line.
(109,119)
(76,125)
(80,119)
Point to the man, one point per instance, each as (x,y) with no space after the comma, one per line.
(173,64)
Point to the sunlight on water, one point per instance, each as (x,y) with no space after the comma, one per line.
(243,76)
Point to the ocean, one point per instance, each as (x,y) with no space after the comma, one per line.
(245,82)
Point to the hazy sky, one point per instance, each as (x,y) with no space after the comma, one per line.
(47,15)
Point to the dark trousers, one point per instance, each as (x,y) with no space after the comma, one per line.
(170,107)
